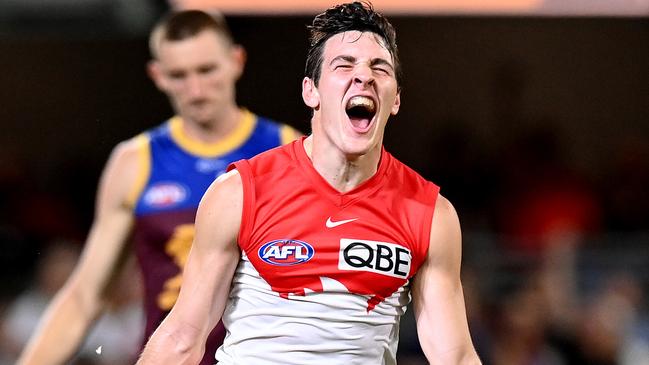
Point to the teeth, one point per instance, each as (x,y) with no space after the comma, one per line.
(362,101)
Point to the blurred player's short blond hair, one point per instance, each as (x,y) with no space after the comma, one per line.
(183,24)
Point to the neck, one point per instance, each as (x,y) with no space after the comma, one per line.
(342,172)
(215,129)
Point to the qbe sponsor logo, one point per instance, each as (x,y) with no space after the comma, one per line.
(286,252)
(379,257)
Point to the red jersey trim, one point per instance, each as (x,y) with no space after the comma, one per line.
(248,213)
(430,215)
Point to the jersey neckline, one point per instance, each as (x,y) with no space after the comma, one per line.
(232,141)
(339,198)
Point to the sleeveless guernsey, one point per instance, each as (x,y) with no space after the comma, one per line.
(324,276)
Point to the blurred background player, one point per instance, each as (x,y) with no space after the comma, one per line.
(152,184)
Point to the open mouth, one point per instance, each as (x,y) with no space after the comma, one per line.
(360,110)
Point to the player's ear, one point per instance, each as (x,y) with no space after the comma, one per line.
(239,56)
(397,103)
(155,73)
(310,93)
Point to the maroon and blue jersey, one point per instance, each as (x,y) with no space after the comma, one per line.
(175,173)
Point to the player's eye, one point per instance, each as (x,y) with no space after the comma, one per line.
(207,69)
(382,70)
(176,75)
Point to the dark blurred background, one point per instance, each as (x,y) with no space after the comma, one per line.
(535,125)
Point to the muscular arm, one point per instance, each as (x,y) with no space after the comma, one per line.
(180,339)
(437,294)
(80,301)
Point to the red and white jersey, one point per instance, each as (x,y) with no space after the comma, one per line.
(324,275)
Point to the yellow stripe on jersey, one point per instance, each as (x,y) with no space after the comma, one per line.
(144,169)
(288,134)
(229,143)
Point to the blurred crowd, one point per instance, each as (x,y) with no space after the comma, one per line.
(556,257)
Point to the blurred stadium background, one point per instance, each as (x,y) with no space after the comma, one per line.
(532,115)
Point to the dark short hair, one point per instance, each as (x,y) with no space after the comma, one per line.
(180,25)
(348,17)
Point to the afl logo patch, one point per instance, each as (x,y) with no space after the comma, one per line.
(165,194)
(286,252)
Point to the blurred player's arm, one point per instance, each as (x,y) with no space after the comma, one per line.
(180,338)
(437,294)
(75,307)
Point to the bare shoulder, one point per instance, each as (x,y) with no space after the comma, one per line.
(227,188)
(221,208)
(126,153)
(445,235)
(125,171)
(445,218)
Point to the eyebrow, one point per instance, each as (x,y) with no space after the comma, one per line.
(351,59)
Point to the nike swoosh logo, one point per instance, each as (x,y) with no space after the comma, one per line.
(332,224)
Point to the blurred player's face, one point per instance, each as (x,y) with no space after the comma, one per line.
(198,74)
(356,94)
